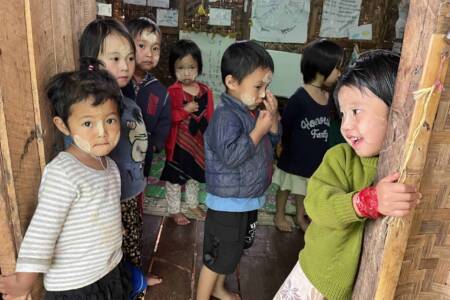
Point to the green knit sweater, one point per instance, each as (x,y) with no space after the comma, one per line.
(334,238)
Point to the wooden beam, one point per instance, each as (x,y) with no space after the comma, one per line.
(414,73)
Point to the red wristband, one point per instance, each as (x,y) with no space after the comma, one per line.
(367,203)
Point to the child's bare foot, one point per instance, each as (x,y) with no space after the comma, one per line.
(180,219)
(303,222)
(198,212)
(153,280)
(282,224)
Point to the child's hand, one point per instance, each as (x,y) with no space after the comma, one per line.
(191,107)
(264,122)
(12,288)
(396,199)
(271,105)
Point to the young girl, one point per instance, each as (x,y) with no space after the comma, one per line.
(192,107)
(109,41)
(306,122)
(78,204)
(341,193)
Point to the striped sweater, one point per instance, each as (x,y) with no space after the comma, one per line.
(75,235)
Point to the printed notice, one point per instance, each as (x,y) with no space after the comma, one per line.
(167,17)
(219,17)
(339,18)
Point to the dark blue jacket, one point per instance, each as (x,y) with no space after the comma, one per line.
(234,166)
(154,100)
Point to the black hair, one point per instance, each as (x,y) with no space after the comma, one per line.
(243,58)
(68,88)
(136,26)
(93,37)
(375,70)
(181,49)
(320,56)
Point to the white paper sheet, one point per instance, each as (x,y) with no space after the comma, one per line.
(212,47)
(104,9)
(167,17)
(287,77)
(219,17)
(154,3)
(363,32)
(339,17)
(282,21)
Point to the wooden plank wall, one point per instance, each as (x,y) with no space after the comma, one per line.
(371,10)
(39,39)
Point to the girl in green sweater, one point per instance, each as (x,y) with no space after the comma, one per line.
(341,194)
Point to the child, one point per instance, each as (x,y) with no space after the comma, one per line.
(306,123)
(78,207)
(341,193)
(192,107)
(145,89)
(239,145)
(109,41)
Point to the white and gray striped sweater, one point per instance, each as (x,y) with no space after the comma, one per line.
(75,235)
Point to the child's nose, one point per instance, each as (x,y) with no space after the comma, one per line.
(347,122)
(100,129)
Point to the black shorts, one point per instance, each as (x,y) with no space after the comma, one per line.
(226,236)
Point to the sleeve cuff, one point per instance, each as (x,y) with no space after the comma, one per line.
(345,212)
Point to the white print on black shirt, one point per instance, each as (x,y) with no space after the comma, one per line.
(315,132)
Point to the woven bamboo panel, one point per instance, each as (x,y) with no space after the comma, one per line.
(425,270)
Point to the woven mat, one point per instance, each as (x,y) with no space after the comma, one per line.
(155,203)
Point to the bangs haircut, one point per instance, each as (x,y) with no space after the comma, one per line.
(90,82)
(136,26)
(320,56)
(181,49)
(375,70)
(243,58)
(92,39)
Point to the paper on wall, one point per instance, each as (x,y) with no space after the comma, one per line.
(219,17)
(282,21)
(363,32)
(212,47)
(339,17)
(154,3)
(167,17)
(287,77)
(104,9)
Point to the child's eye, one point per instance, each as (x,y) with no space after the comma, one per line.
(115,58)
(258,87)
(131,58)
(111,121)
(156,49)
(142,46)
(356,111)
(87,124)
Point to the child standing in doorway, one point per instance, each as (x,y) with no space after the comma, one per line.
(342,194)
(75,235)
(150,95)
(239,144)
(109,41)
(305,121)
(192,108)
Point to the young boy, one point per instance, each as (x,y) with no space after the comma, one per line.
(145,89)
(239,145)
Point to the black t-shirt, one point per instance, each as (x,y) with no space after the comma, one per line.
(306,125)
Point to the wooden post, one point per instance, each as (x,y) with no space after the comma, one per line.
(384,246)
(38,40)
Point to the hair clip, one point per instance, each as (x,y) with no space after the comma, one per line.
(91,67)
(147,19)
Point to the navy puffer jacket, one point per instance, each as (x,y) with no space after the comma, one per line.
(234,166)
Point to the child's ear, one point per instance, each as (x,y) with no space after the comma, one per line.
(59,123)
(231,82)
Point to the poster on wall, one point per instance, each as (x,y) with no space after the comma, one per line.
(340,18)
(213,46)
(287,77)
(219,17)
(167,17)
(282,21)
